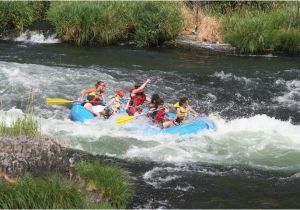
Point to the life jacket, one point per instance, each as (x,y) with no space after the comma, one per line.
(91,97)
(159,116)
(182,112)
(138,99)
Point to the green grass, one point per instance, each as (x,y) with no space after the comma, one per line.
(257,31)
(146,23)
(25,125)
(17,15)
(111,182)
(50,192)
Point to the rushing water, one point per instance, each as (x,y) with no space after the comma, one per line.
(251,161)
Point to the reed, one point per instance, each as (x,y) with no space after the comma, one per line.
(51,192)
(25,125)
(85,23)
(15,15)
(259,31)
(111,182)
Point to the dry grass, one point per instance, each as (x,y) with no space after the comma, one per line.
(188,19)
(209,30)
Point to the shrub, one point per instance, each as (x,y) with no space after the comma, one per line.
(17,15)
(51,192)
(288,41)
(25,125)
(146,23)
(110,181)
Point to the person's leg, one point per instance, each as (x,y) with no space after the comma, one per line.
(168,124)
(89,107)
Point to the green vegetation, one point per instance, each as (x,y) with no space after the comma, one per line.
(250,26)
(50,192)
(147,24)
(110,183)
(17,15)
(276,27)
(25,125)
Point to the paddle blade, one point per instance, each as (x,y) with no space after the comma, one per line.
(57,101)
(123,120)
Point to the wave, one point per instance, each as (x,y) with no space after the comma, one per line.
(259,142)
(35,37)
(290,97)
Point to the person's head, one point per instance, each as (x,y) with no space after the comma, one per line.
(100,85)
(120,93)
(155,98)
(183,102)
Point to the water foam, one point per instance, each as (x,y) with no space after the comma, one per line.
(36,37)
(230,76)
(291,97)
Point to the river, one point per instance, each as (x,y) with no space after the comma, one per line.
(252,160)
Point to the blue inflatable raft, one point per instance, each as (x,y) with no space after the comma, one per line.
(80,114)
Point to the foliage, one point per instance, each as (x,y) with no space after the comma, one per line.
(16,15)
(110,181)
(146,23)
(51,192)
(258,31)
(25,125)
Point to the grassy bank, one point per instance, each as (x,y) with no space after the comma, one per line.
(14,16)
(25,125)
(108,185)
(147,24)
(256,31)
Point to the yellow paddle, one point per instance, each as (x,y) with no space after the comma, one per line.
(124,120)
(57,101)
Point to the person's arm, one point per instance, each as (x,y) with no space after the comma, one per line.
(111,102)
(195,114)
(85,92)
(141,88)
(103,98)
(127,105)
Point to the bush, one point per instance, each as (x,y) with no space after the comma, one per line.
(260,31)
(23,126)
(17,15)
(110,181)
(156,22)
(51,192)
(145,23)
(288,41)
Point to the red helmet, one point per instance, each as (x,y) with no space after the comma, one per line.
(120,93)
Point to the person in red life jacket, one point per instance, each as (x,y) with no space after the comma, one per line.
(93,97)
(157,112)
(137,98)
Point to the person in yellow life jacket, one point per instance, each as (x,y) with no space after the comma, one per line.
(114,105)
(93,97)
(137,98)
(182,107)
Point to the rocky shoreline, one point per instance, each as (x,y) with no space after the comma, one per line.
(20,155)
(191,42)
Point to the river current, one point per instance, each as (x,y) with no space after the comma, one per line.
(252,160)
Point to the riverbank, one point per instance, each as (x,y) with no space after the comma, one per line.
(36,160)
(249,27)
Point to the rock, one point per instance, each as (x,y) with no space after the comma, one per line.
(19,155)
